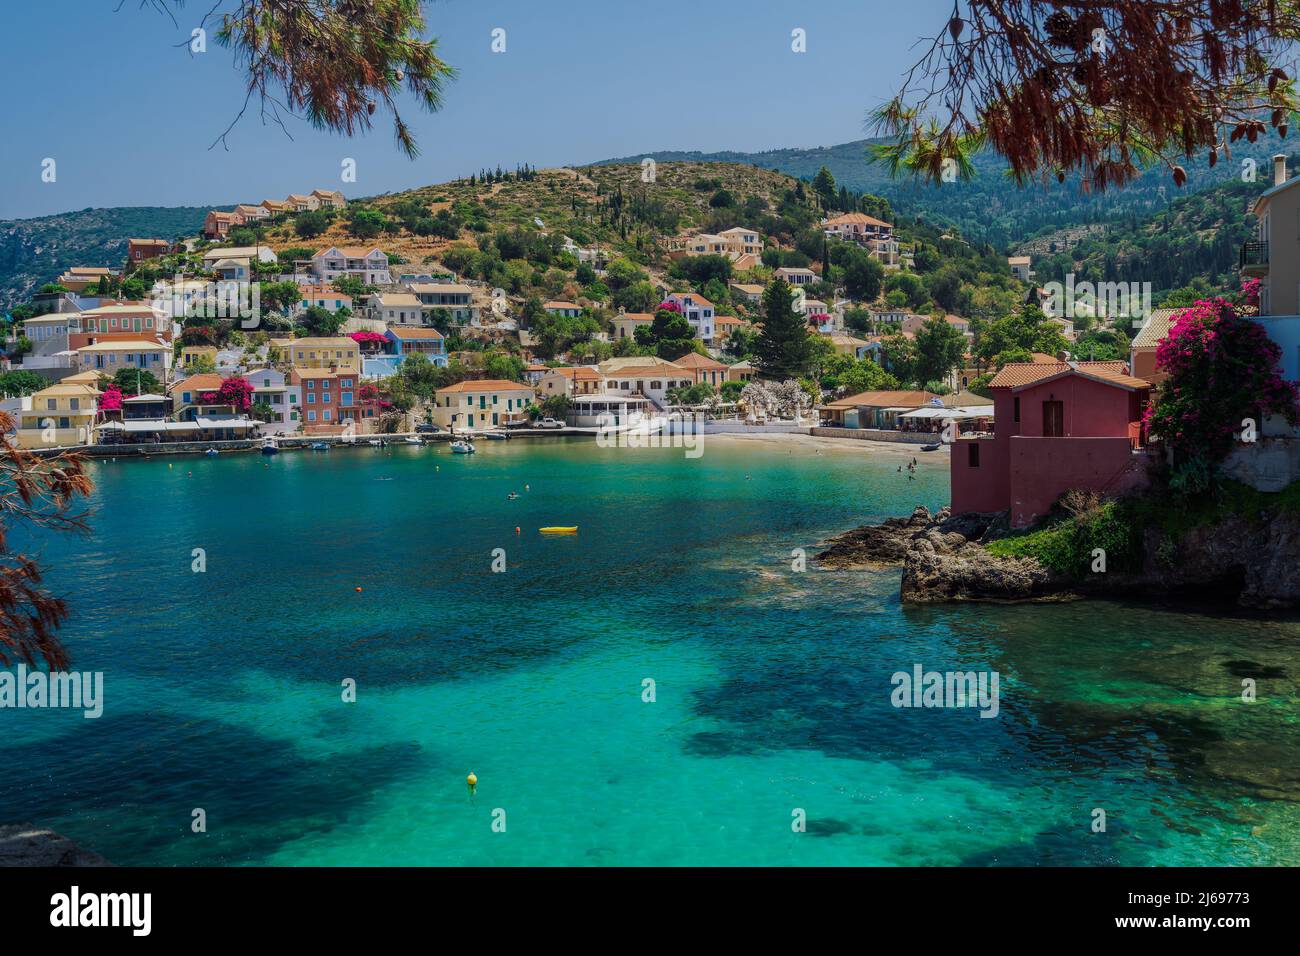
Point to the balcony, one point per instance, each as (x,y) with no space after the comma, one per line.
(1254,258)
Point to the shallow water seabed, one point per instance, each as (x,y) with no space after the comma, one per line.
(771,686)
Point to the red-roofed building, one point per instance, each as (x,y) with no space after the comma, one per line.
(1057,426)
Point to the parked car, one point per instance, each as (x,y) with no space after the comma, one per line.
(426,427)
(547,423)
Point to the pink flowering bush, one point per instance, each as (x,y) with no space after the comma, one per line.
(110,399)
(1222,368)
(668,305)
(367,338)
(234,391)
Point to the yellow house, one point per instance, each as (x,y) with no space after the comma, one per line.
(336,352)
(482,403)
(191,352)
(60,415)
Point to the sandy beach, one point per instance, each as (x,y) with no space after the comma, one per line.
(876,449)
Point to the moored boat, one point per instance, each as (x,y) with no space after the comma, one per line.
(462,447)
(320,446)
(270,447)
(559,529)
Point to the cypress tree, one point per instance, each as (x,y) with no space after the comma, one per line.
(784,346)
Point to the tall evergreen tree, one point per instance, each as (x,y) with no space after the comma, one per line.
(784,347)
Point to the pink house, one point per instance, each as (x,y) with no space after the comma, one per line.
(1057,427)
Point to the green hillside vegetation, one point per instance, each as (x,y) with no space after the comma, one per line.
(36,251)
(991,207)
(1194,242)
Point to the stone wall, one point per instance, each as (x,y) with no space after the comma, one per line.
(876,434)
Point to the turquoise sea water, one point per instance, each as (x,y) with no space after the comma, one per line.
(223,688)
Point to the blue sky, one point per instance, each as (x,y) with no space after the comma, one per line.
(115,97)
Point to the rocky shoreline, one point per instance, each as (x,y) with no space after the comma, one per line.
(24,844)
(943,559)
(1252,561)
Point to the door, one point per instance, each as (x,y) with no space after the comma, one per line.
(1053,419)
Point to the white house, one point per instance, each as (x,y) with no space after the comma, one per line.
(698,311)
(370,265)
(396,308)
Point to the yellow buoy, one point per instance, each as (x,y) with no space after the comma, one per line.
(472,779)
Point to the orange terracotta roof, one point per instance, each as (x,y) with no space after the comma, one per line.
(576,373)
(695,297)
(696,360)
(1017,375)
(856,217)
(203,382)
(658,370)
(487,385)
(883,399)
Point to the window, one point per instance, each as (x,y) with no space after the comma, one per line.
(311,414)
(1017,408)
(973,454)
(325,398)
(311,398)
(327,414)
(51,404)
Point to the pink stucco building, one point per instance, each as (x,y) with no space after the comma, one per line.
(1056,427)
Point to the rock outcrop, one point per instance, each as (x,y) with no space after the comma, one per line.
(1253,560)
(23,844)
(943,559)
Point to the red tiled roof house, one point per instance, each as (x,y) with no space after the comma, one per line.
(1057,427)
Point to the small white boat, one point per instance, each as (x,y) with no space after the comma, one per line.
(412,440)
(462,448)
(269,447)
(210,452)
(377,442)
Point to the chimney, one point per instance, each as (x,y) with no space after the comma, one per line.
(1279,169)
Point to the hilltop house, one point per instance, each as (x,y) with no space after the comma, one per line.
(744,247)
(566,380)
(1057,427)
(138,250)
(370,265)
(329,198)
(874,235)
(217,224)
(1020,267)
